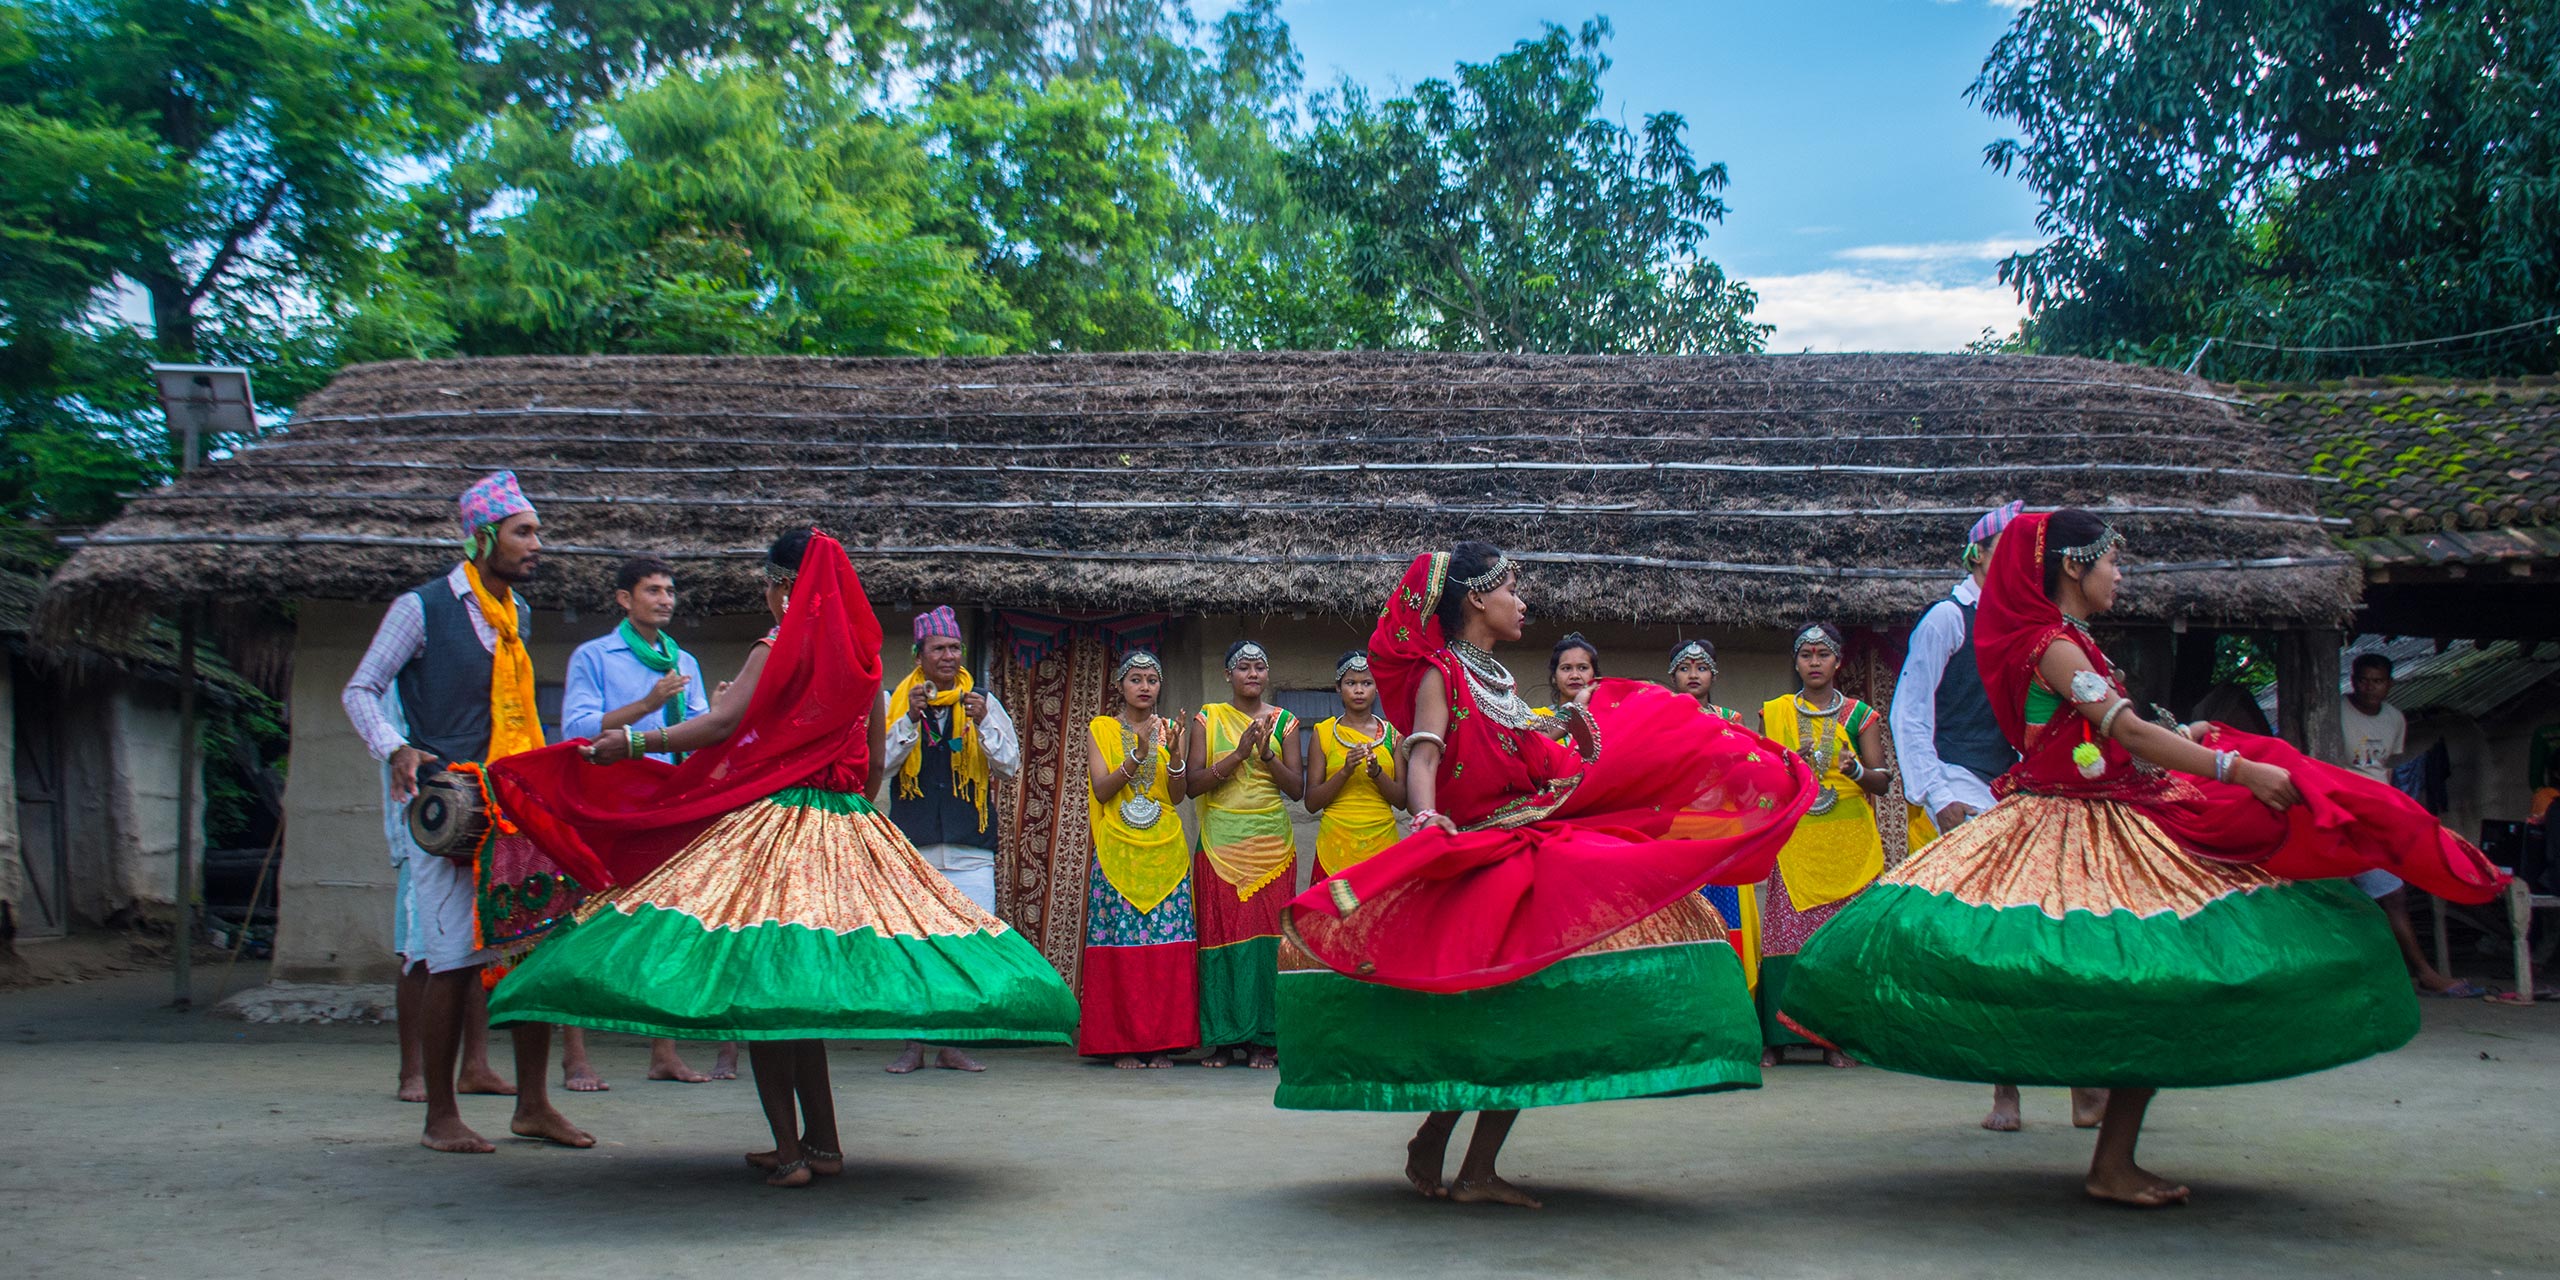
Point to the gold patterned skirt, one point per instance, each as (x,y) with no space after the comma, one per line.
(2059,941)
(805,915)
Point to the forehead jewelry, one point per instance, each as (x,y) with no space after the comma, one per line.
(1356,662)
(1815,636)
(1138,660)
(1693,652)
(1249,652)
(1490,578)
(2095,549)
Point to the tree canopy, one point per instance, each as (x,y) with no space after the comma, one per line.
(2298,173)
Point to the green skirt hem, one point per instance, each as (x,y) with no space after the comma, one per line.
(1452,1095)
(932,1035)
(2262,984)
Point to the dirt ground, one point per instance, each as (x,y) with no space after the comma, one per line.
(141,1141)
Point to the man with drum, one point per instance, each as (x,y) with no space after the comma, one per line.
(454,647)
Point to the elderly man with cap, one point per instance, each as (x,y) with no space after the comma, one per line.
(1950,746)
(946,744)
(455,649)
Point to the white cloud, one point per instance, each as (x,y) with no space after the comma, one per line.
(1942,252)
(1855,311)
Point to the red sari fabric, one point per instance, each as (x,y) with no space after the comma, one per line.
(1559,852)
(2347,823)
(807,725)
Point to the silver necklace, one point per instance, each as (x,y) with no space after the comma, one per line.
(1137,808)
(1491,683)
(1813,738)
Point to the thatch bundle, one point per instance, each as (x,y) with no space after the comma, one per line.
(1721,491)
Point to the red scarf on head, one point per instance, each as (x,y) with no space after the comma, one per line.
(1406,647)
(809,718)
(2347,823)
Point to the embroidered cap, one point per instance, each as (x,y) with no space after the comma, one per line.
(1992,522)
(939,621)
(493,499)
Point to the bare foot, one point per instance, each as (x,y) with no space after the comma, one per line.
(954,1060)
(413,1088)
(675,1069)
(1160,1062)
(1837,1060)
(1772,1056)
(794,1174)
(483,1080)
(2135,1186)
(1491,1191)
(454,1136)
(725,1066)
(550,1126)
(1214,1058)
(2004,1110)
(1128,1062)
(2088,1107)
(1264,1060)
(1423,1158)
(581,1078)
(825,1164)
(907,1060)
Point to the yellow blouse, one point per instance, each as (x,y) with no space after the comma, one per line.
(1244,821)
(1359,822)
(1144,863)
(1833,854)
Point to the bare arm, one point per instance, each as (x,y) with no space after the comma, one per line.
(876,732)
(2151,743)
(1284,767)
(1877,779)
(1422,759)
(1390,785)
(1322,790)
(708,729)
(1110,775)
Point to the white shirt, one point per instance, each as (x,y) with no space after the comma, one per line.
(1004,760)
(2373,742)
(402,637)
(1928,781)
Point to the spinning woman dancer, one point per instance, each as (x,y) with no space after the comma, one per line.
(2149,906)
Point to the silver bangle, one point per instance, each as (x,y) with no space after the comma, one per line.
(2222,762)
(2107,721)
(1418,737)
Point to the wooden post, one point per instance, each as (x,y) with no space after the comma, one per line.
(188,732)
(2307,693)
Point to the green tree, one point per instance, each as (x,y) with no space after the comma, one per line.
(735,211)
(221,162)
(1502,213)
(2295,172)
(559,56)
(1070,200)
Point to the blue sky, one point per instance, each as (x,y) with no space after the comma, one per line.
(1860,206)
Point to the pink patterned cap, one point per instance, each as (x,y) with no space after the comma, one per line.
(490,501)
(1992,522)
(939,621)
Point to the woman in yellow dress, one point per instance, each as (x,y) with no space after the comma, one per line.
(1141,955)
(1836,850)
(1244,768)
(1359,789)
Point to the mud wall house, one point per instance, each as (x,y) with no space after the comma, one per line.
(2448,496)
(89,772)
(1074,506)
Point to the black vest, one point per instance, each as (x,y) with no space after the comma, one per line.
(937,816)
(444,691)
(1968,734)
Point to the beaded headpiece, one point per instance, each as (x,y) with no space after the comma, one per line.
(1356,660)
(1818,634)
(1696,650)
(1244,652)
(1490,578)
(2093,550)
(779,576)
(1136,659)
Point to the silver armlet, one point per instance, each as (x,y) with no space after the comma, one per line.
(2108,721)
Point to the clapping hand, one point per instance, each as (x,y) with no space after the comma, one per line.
(668,686)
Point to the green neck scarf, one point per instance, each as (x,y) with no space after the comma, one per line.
(660,658)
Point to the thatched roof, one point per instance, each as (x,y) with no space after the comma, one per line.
(1723,491)
(2430,473)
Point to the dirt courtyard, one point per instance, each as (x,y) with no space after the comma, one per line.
(141,1141)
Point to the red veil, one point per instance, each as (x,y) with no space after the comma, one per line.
(2347,823)
(1561,852)
(612,824)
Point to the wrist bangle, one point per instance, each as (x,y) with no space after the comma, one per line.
(1423,817)
(2107,721)
(631,742)
(2222,764)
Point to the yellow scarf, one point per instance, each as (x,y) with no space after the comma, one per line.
(968,765)
(515,725)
